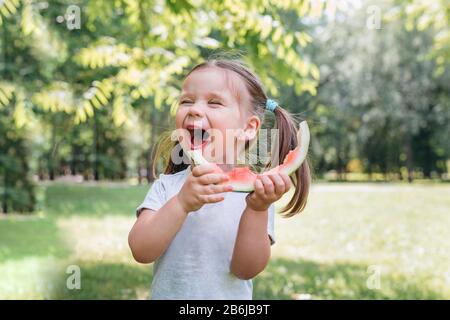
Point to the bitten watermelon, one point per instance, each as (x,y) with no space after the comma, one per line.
(242,178)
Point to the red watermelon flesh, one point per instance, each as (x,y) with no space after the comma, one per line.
(242,179)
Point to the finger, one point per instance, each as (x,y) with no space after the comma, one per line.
(269,188)
(212,178)
(212,189)
(278,182)
(211,198)
(203,169)
(259,187)
(287,180)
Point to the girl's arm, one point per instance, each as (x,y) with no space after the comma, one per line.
(252,248)
(154,230)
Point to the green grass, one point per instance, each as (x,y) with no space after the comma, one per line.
(22,237)
(331,251)
(94,200)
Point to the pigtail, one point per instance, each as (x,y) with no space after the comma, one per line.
(287,138)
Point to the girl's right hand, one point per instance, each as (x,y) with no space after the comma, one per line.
(202,186)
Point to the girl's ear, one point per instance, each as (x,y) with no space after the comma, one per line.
(251,128)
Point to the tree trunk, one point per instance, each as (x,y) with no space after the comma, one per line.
(95,148)
(41,170)
(139,170)
(409,157)
(339,162)
(429,155)
(73,161)
(5,193)
(50,156)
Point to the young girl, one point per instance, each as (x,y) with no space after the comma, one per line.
(207,242)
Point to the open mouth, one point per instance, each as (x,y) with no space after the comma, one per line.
(199,138)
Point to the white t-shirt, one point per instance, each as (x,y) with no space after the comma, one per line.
(196,265)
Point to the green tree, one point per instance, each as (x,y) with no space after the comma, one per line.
(380,97)
(123,68)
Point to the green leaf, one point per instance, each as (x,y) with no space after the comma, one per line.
(277,34)
(315,73)
(8,8)
(288,40)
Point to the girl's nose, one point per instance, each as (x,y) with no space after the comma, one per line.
(196,111)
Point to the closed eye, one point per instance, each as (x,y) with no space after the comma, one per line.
(215,102)
(186,102)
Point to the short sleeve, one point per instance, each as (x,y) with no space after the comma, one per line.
(271,224)
(155,198)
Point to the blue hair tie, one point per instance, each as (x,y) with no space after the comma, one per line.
(271,105)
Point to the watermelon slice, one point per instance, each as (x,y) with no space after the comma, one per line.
(242,179)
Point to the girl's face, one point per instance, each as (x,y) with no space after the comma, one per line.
(216,101)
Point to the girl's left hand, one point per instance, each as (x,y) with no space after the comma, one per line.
(268,189)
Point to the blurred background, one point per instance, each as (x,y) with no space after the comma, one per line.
(87,88)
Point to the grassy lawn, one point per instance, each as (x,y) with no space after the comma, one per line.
(356,241)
